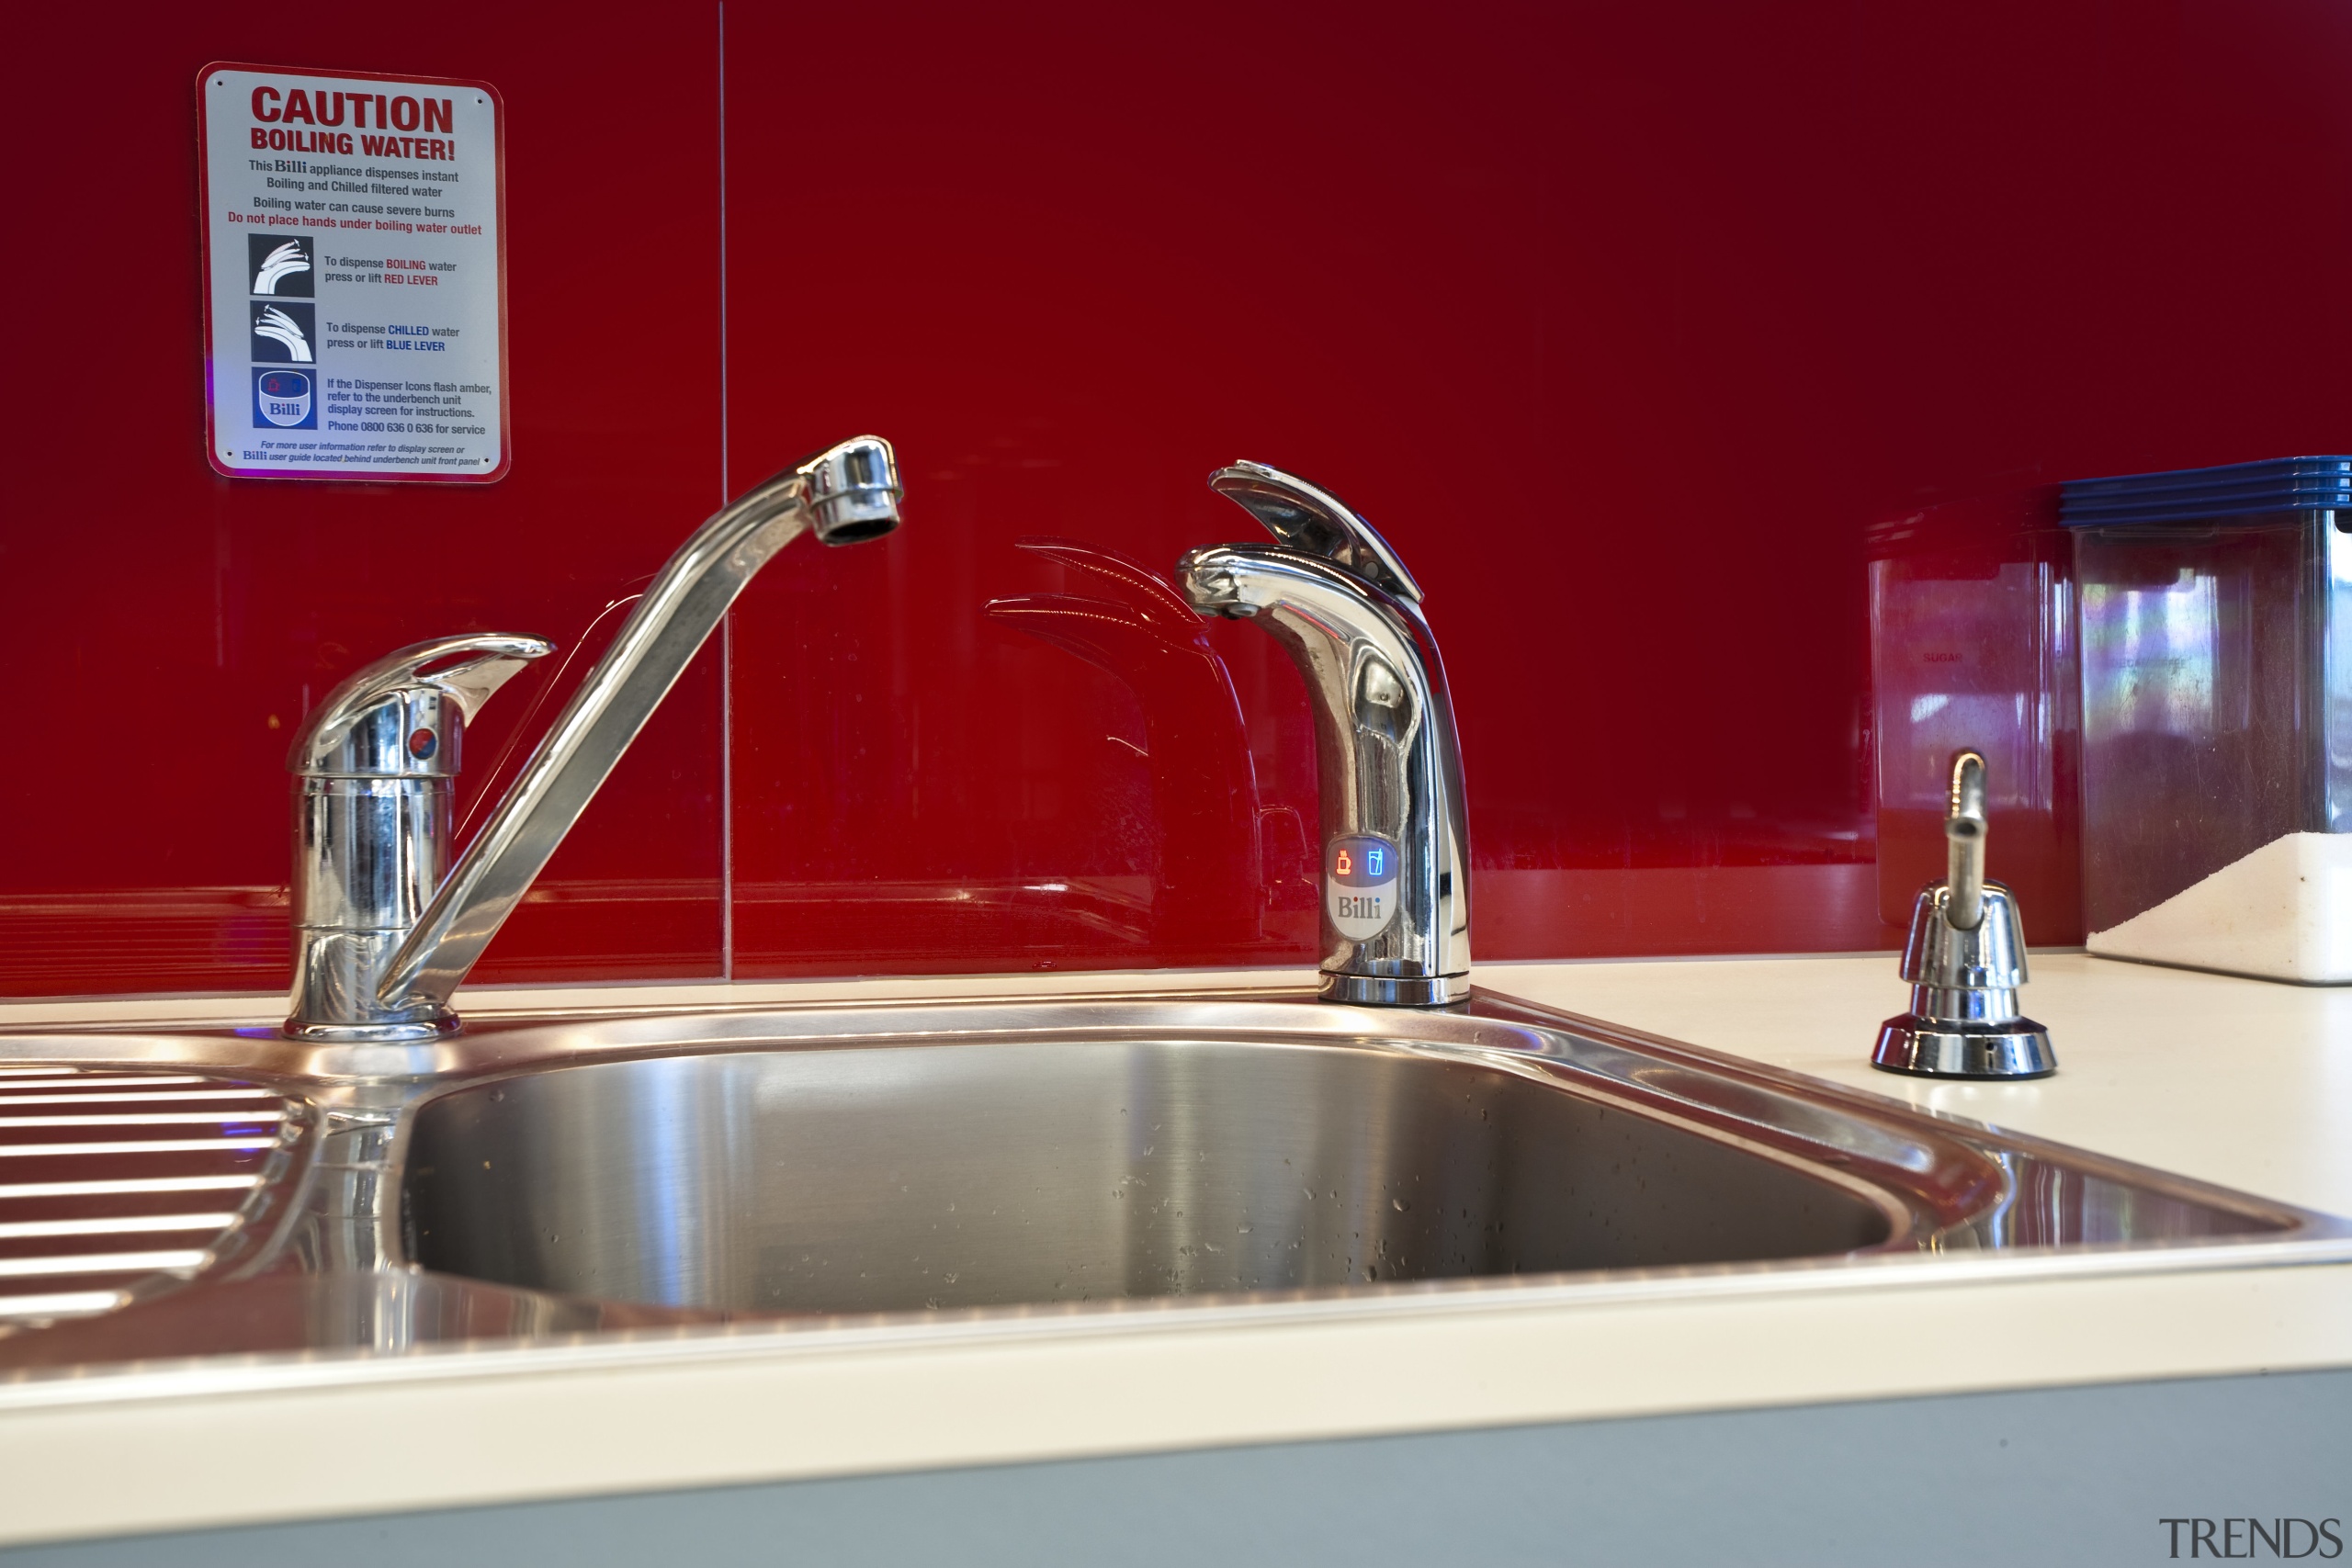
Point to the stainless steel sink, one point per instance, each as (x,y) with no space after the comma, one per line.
(911,1160)
(1005,1171)
(910,1164)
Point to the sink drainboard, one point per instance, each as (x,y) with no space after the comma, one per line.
(117,1184)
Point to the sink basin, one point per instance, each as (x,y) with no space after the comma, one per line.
(899,1178)
(904,1160)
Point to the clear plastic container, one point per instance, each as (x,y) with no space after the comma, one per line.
(2215,615)
(1971,650)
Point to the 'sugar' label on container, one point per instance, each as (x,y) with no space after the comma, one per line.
(355,275)
(1360,885)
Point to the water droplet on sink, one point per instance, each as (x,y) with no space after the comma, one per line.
(1398,1204)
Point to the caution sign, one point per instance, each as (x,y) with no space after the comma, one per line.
(355,275)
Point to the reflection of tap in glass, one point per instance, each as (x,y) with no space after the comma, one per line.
(1212,890)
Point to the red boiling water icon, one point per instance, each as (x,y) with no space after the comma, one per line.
(1361,860)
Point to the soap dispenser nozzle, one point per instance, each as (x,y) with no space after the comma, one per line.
(1965,960)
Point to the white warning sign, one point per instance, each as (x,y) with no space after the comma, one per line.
(355,267)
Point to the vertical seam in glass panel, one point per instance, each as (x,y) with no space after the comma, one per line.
(726,622)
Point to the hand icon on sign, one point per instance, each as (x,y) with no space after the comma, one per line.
(286,258)
(276,323)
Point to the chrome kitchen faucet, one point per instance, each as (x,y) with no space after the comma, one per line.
(1965,960)
(1394,844)
(381,939)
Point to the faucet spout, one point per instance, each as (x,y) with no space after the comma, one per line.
(847,493)
(1965,842)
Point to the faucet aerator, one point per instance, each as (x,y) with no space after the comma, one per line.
(853,491)
(855,521)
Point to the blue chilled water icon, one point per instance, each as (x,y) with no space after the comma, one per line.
(1360,885)
(285,400)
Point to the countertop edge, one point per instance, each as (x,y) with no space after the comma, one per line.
(899,1408)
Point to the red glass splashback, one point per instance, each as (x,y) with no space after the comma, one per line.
(1622,322)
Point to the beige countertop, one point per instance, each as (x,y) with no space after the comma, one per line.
(2248,1083)
(2239,1082)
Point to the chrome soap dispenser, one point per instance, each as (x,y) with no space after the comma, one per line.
(1965,960)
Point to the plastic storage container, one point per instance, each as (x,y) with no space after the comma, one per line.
(1972,648)
(2214,608)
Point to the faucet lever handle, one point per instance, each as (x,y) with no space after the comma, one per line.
(1310,519)
(369,726)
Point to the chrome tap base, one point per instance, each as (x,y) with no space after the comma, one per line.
(1939,1048)
(440,1028)
(1388,991)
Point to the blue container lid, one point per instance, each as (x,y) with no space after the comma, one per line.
(2192,495)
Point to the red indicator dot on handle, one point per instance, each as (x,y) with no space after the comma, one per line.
(422,743)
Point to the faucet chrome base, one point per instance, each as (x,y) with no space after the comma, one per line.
(439,1028)
(1389,991)
(1939,1048)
